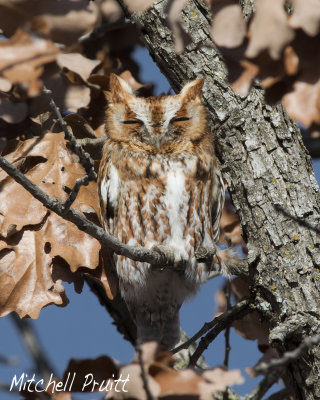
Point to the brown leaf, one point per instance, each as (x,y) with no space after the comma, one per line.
(228,25)
(269,29)
(181,37)
(303,103)
(217,380)
(306,15)
(22,59)
(111,10)
(67,96)
(65,20)
(138,5)
(178,382)
(230,225)
(25,281)
(243,83)
(85,371)
(135,85)
(76,64)
(5,85)
(31,237)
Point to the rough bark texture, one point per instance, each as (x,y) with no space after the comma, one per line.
(265,165)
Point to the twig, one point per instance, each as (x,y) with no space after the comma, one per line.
(32,343)
(136,253)
(84,157)
(259,391)
(144,375)
(224,320)
(219,323)
(288,357)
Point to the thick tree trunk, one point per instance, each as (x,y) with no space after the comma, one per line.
(266,167)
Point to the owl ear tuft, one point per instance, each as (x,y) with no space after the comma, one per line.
(192,90)
(120,90)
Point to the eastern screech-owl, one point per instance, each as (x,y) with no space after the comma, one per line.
(159,187)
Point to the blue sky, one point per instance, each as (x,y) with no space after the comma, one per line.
(83,329)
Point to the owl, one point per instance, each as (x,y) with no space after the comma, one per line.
(160,188)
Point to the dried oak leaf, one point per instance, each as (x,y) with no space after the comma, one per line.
(217,380)
(135,85)
(181,37)
(65,20)
(67,96)
(269,29)
(306,15)
(22,59)
(31,237)
(303,103)
(138,5)
(228,25)
(100,369)
(230,225)
(76,67)
(111,10)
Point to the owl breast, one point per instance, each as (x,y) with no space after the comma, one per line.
(167,201)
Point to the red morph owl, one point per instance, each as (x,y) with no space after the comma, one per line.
(160,187)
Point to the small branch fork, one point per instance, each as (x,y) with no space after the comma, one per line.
(214,327)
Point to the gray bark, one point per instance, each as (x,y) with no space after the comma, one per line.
(265,165)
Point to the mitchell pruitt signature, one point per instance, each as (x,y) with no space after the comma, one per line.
(89,384)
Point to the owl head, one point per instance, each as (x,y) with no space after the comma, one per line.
(155,122)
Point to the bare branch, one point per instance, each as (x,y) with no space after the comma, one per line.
(288,357)
(32,343)
(218,324)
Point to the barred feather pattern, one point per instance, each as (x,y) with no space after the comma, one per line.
(159,185)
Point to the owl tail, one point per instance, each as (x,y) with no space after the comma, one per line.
(166,333)
(227,261)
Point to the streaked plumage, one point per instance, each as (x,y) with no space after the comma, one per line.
(159,184)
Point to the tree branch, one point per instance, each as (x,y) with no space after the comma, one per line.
(288,357)
(218,324)
(31,341)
